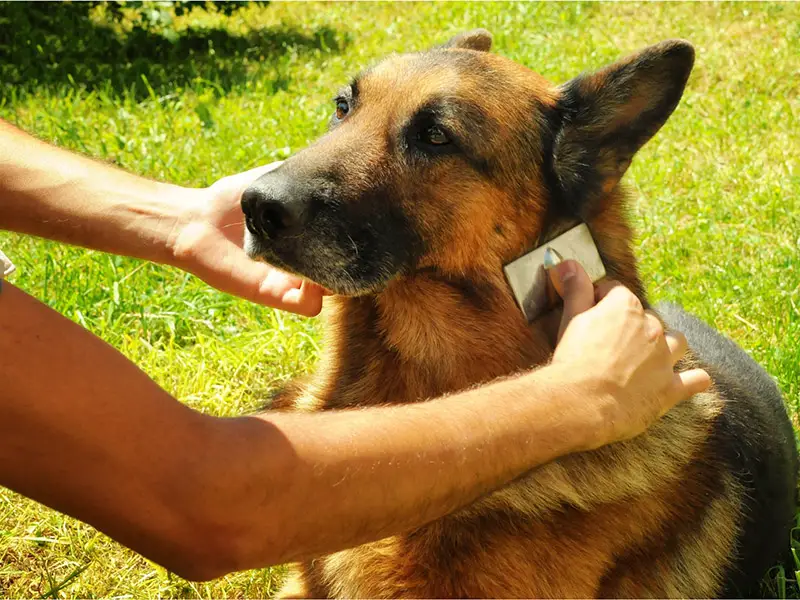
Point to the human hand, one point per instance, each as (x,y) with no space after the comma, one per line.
(208,243)
(620,353)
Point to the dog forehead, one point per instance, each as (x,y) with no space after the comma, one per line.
(412,76)
(485,78)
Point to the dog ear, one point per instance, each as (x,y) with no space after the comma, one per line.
(476,39)
(605,117)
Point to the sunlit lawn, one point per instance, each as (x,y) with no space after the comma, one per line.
(716,208)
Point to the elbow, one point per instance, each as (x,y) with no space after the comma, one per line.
(198,558)
(202,562)
(197,571)
(225,522)
(213,552)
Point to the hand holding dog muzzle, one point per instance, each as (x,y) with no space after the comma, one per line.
(208,244)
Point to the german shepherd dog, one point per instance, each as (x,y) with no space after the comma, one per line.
(439,168)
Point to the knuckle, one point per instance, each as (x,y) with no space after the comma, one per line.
(679,342)
(632,300)
(604,287)
(656,326)
(676,335)
(618,298)
(578,321)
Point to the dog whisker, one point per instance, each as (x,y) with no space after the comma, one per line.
(237,224)
(355,246)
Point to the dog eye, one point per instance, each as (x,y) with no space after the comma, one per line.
(342,108)
(434,136)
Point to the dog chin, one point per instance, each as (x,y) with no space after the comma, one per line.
(252,246)
(347,287)
(340,281)
(336,279)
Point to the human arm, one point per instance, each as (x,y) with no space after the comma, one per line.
(51,193)
(204,495)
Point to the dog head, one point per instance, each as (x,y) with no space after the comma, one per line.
(456,160)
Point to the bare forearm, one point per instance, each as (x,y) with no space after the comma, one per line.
(55,194)
(204,495)
(361,475)
(82,430)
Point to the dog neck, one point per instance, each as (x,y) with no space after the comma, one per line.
(424,336)
(429,334)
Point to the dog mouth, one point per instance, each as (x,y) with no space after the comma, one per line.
(352,241)
(343,270)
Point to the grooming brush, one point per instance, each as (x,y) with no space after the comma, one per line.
(527,275)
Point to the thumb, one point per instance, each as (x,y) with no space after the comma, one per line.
(689,383)
(574,285)
(255,173)
(233,186)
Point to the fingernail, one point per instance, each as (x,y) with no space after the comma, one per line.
(565,271)
(292,295)
(551,258)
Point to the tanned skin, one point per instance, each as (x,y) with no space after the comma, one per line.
(204,496)
(500,161)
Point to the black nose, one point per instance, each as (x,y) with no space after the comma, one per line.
(271,211)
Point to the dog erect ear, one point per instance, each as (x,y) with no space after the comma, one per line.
(476,39)
(605,117)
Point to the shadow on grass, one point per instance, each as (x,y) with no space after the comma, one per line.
(56,44)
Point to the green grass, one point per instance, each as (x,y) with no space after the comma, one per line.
(716,207)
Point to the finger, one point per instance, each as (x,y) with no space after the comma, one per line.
(689,383)
(317,288)
(290,292)
(653,325)
(276,281)
(255,173)
(618,296)
(603,287)
(574,285)
(306,301)
(230,270)
(677,344)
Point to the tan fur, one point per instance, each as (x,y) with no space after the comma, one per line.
(571,555)
(585,525)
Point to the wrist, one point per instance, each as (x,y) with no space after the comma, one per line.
(158,217)
(181,207)
(583,403)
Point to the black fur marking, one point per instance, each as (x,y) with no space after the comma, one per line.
(561,204)
(584,180)
(754,437)
(688,509)
(385,240)
(600,130)
(562,208)
(469,128)
(350,241)
(478,294)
